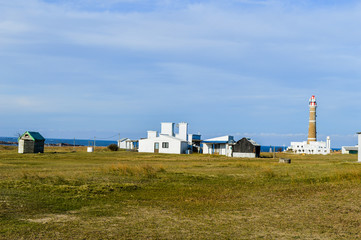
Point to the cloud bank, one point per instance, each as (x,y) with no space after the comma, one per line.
(225,67)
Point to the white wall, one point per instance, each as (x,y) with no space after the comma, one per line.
(344,151)
(122,144)
(21,146)
(190,138)
(207,148)
(175,146)
(311,148)
(129,145)
(224,149)
(146,145)
(244,155)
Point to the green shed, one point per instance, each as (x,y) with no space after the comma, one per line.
(31,142)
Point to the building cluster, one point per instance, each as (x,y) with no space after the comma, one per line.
(166,141)
(181,142)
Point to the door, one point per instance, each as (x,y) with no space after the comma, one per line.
(156,147)
(217,149)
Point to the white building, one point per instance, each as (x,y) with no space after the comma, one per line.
(312,147)
(128,144)
(167,141)
(122,143)
(349,149)
(219,145)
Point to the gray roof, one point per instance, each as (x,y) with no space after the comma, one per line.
(348,148)
(253,142)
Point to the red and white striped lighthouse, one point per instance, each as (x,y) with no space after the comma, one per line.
(312,134)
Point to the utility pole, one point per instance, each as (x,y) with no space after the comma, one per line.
(274,151)
(94,144)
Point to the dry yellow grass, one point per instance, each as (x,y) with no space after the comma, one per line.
(123,195)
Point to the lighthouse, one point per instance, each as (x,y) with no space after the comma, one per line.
(312,146)
(312,134)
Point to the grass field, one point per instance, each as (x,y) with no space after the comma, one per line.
(123,195)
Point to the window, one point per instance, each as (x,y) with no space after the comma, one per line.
(165,145)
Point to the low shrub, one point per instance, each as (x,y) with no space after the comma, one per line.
(113,147)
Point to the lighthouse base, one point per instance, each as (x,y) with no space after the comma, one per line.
(310,148)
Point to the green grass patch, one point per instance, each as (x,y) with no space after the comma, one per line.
(67,193)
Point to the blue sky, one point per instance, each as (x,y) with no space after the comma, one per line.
(241,67)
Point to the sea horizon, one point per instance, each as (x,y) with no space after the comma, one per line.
(74,141)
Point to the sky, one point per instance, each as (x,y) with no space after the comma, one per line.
(100,68)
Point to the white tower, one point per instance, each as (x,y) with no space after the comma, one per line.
(328,142)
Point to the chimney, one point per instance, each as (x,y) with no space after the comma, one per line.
(152,134)
(167,128)
(183,131)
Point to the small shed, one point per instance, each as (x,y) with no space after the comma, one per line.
(31,142)
(122,143)
(246,147)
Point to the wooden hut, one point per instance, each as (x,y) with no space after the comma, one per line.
(31,142)
(246,147)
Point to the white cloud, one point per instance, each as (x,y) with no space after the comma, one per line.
(255,61)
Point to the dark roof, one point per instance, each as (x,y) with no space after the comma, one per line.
(34,135)
(123,139)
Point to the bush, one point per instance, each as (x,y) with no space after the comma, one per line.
(113,147)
